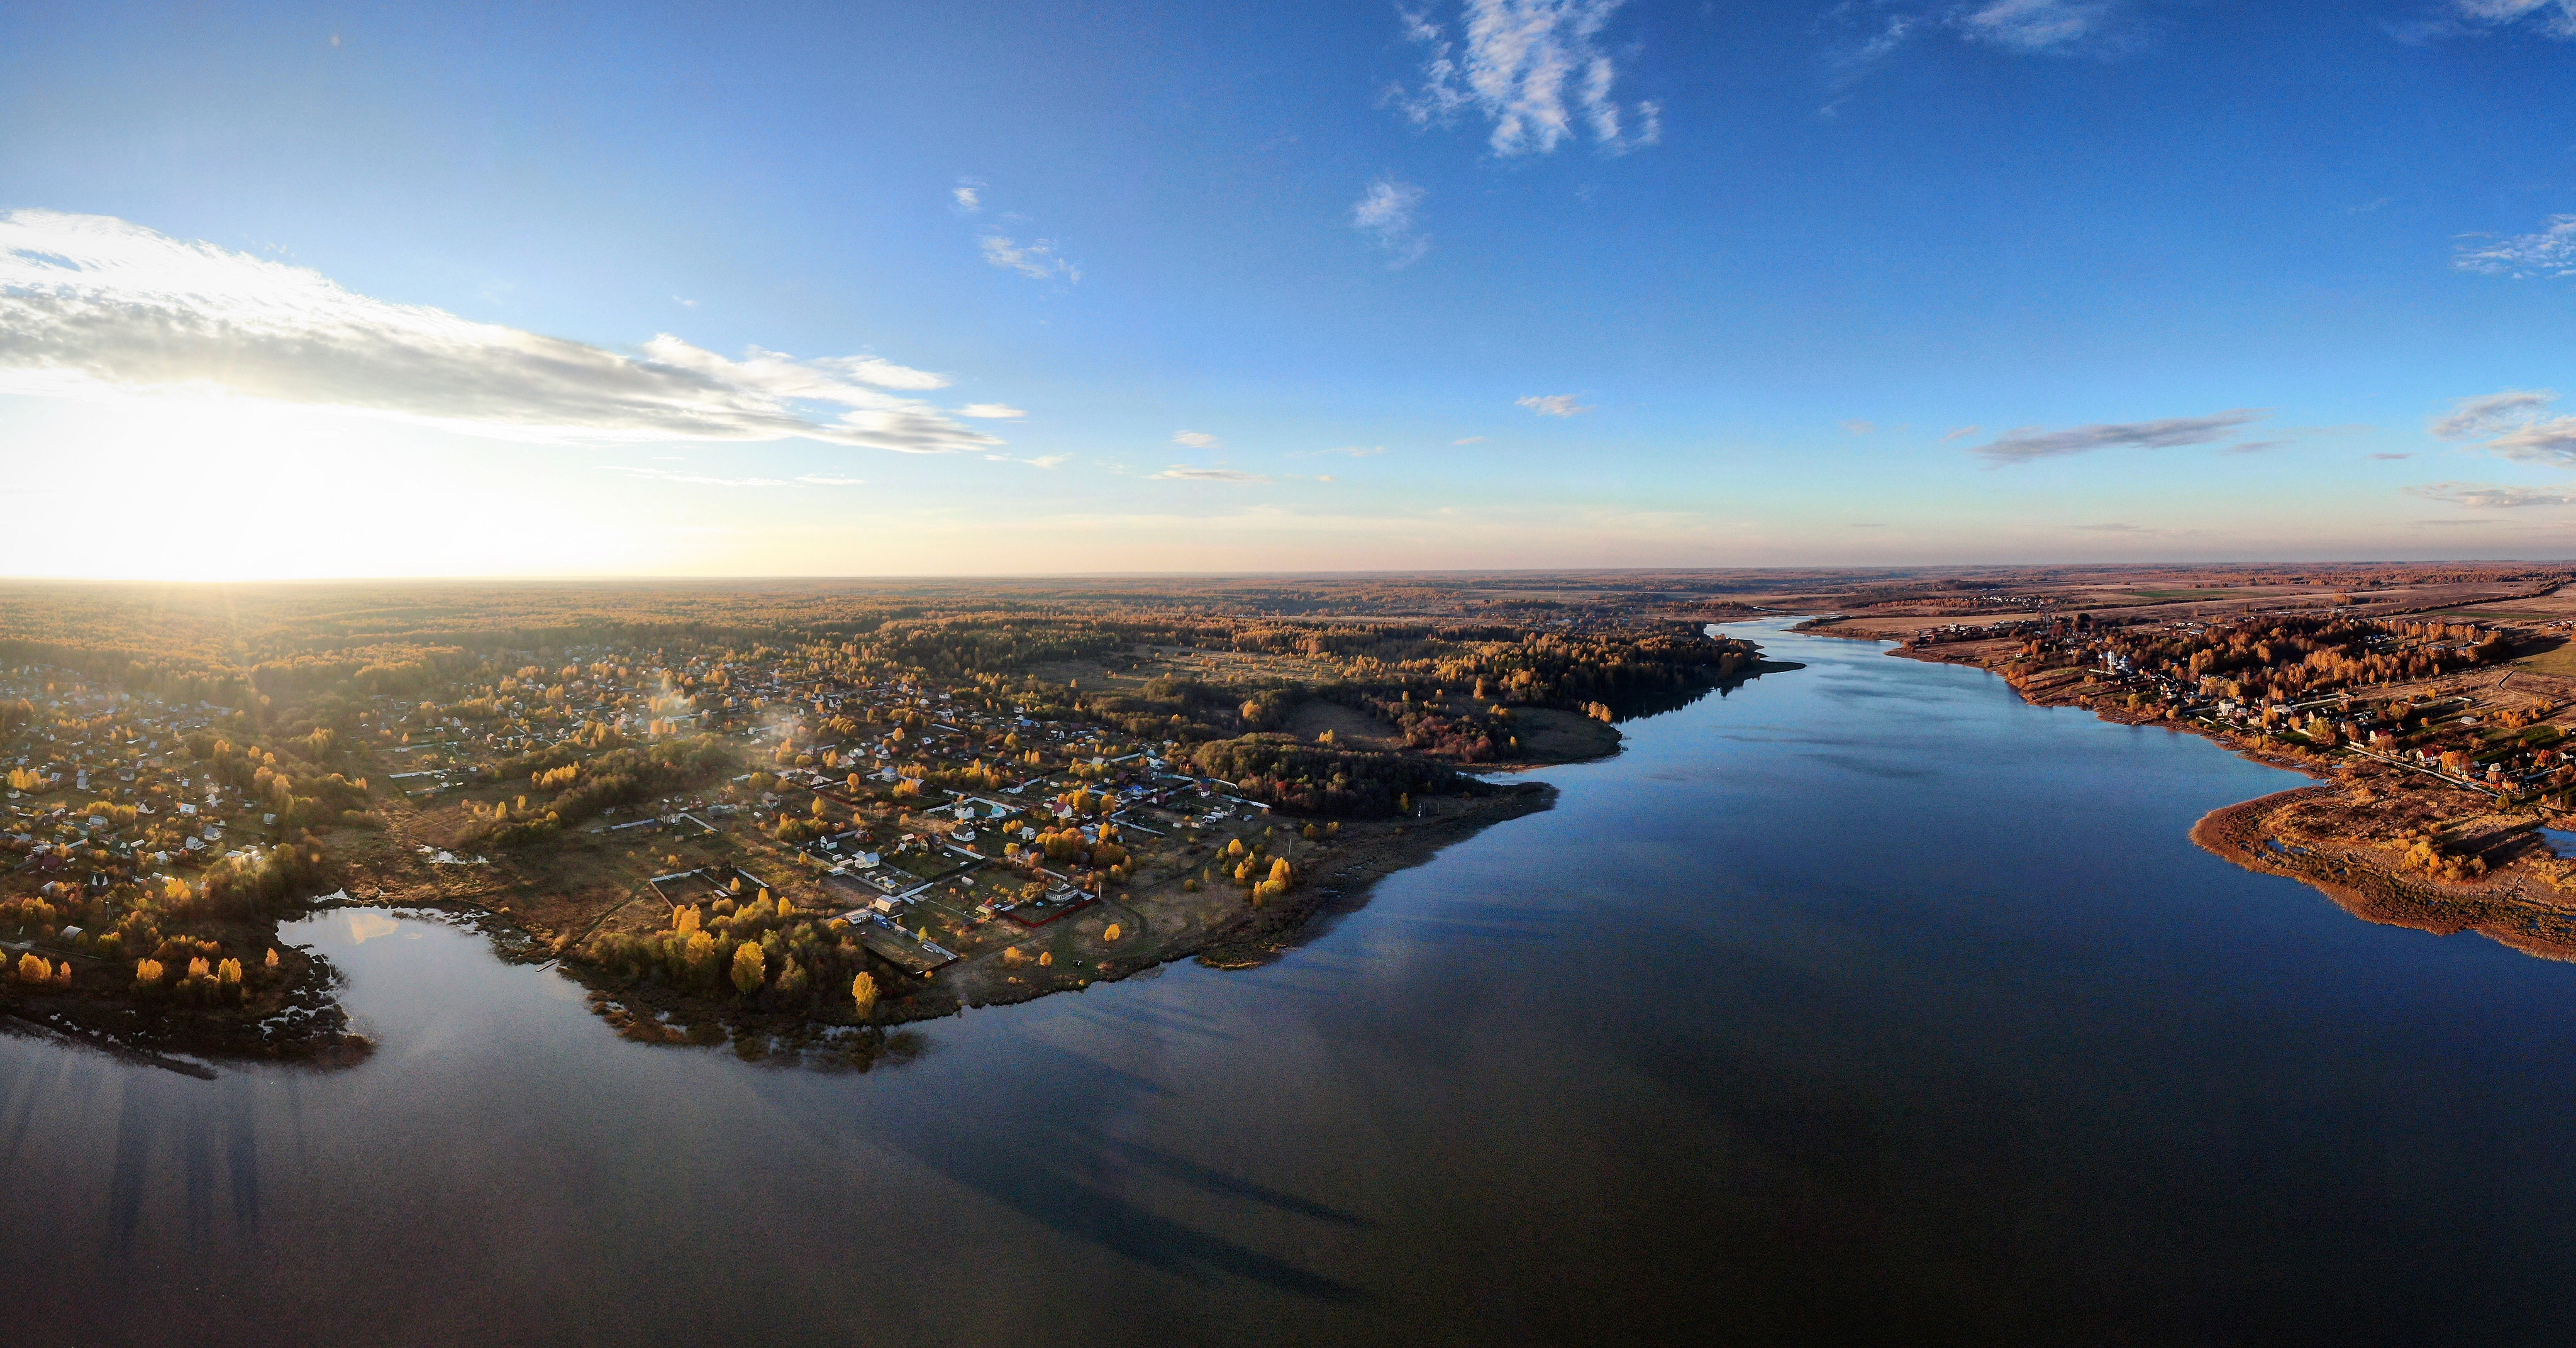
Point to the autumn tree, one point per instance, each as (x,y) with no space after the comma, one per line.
(750,967)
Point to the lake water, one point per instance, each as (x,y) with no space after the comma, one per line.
(1861,1004)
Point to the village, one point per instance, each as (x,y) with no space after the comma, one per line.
(815,836)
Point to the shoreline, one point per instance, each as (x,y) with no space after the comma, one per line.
(2524,900)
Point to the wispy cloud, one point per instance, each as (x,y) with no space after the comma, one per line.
(2031,442)
(2552,18)
(1346,451)
(1859,427)
(1181,472)
(1196,440)
(819,480)
(2511,424)
(968,195)
(2253,446)
(2491,414)
(1036,259)
(1871,34)
(2392,456)
(1468,440)
(1960,433)
(1529,67)
(2549,251)
(1553,404)
(2478,497)
(991,412)
(2036,25)
(93,306)
(1385,214)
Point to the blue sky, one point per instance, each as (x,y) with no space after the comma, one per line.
(1056,288)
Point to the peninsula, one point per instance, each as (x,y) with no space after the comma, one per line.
(762,813)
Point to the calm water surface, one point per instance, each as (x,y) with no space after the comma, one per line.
(1864,1003)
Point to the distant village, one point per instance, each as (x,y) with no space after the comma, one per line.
(2426,695)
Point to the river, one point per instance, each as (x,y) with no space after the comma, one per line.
(1862,1003)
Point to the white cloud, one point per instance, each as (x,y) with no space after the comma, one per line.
(1531,68)
(1552,404)
(1346,451)
(1872,33)
(991,411)
(2556,18)
(1960,433)
(819,480)
(2551,442)
(2477,497)
(2490,414)
(1048,460)
(94,306)
(2034,25)
(1857,427)
(1037,259)
(968,194)
(1196,440)
(1385,214)
(1181,472)
(2030,442)
(1469,440)
(2512,425)
(2549,252)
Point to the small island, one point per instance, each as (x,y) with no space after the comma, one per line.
(788,817)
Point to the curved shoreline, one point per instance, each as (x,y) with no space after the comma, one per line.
(2501,907)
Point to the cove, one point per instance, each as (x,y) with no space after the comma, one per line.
(1860,1003)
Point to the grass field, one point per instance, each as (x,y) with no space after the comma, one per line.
(2557,658)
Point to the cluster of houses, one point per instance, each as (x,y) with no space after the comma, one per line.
(105,772)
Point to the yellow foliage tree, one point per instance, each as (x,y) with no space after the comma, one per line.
(1111,934)
(863,993)
(750,967)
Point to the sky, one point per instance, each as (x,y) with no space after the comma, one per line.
(354,290)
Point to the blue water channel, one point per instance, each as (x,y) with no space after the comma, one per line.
(1860,1004)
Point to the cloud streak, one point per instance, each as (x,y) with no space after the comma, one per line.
(2553,18)
(1553,404)
(2031,443)
(95,306)
(1529,67)
(2512,424)
(2479,497)
(2034,25)
(1037,259)
(1384,214)
(2547,252)
(1181,472)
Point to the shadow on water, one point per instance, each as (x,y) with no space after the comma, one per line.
(1050,1169)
